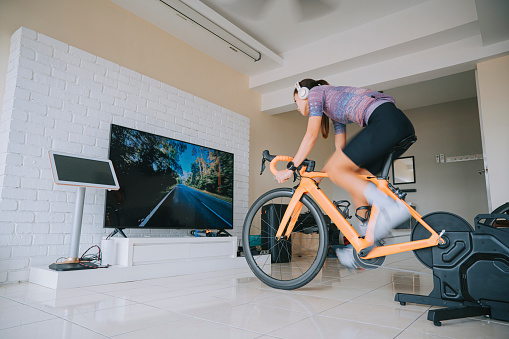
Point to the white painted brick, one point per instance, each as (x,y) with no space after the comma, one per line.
(124,104)
(82,139)
(103,98)
(5,252)
(52,218)
(149,96)
(103,143)
(106,81)
(8,205)
(37,184)
(11,216)
(147,111)
(142,87)
(156,106)
(7,228)
(66,147)
(93,67)
(77,90)
(90,84)
(49,81)
(169,89)
(56,133)
(46,100)
(48,239)
(23,149)
(80,73)
(32,86)
(10,181)
(54,63)
(82,54)
(15,240)
(136,99)
(66,57)
(29,251)
(60,114)
(36,46)
(55,44)
(95,151)
(129,89)
(130,73)
(85,121)
(38,140)
(108,64)
(63,75)
(40,120)
(111,109)
(96,132)
(89,102)
(115,93)
(32,228)
(115,75)
(34,65)
(27,52)
(14,264)
(17,137)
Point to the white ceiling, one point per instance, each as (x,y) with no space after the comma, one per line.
(421,51)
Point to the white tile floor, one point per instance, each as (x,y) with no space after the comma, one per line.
(234,304)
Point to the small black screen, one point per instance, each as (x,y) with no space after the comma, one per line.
(86,171)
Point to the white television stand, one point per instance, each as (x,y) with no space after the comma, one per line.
(149,258)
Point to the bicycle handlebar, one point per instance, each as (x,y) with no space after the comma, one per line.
(306,166)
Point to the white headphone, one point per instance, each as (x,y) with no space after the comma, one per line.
(302,92)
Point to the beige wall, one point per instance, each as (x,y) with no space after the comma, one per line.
(107,30)
(493,91)
(451,129)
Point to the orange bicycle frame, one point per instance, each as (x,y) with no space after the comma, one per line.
(309,186)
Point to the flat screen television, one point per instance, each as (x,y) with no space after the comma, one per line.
(167,183)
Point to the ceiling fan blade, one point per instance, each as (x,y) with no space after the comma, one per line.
(310,10)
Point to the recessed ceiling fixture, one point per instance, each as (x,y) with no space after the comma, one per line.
(183,10)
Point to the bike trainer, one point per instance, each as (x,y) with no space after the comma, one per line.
(470,273)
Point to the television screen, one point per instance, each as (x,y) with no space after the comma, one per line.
(167,183)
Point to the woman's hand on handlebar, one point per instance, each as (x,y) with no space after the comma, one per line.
(282,176)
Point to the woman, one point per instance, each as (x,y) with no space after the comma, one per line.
(384,127)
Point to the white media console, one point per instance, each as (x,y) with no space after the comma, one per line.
(149,258)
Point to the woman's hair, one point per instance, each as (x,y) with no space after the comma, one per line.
(310,83)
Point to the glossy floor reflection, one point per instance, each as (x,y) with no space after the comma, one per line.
(338,303)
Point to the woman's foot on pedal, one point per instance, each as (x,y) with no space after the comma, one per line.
(345,256)
(389,216)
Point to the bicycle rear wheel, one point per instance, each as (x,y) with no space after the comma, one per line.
(285,263)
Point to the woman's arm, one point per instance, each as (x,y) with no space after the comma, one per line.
(305,148)
(340,141)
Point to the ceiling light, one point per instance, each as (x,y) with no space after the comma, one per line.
(183,10)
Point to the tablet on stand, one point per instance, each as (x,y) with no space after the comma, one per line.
(82,172)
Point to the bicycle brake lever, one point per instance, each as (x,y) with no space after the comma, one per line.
(263,166)
(294,176)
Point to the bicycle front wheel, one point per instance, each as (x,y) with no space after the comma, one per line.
(285,263)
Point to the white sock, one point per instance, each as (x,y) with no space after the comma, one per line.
(376,197)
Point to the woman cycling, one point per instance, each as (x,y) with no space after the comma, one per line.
(384,127)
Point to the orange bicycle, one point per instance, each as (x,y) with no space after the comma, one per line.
(285,233)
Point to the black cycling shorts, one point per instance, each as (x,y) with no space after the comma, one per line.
(387,126)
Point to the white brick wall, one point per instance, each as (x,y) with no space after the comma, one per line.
(61,98)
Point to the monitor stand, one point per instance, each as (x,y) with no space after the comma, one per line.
(118,230)
(73,262)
